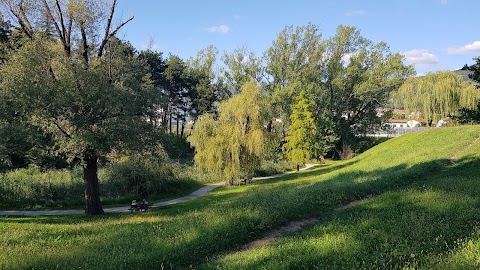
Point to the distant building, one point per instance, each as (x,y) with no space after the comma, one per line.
(397,123)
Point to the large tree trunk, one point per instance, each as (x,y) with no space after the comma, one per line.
(92,188)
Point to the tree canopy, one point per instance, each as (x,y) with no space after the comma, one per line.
(436,95)
(234,143)
(88,98)
(301,133)
(348,76)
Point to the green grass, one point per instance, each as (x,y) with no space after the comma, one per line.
(120,183)
(32,188)
(422,213)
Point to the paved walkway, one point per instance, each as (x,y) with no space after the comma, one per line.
(124,209)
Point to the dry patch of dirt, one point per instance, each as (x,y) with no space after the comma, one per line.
(293,227)
(271,235)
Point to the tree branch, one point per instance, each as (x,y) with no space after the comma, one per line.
(61,129)
(60,13)
(107,28)
(102,46)
(84,42)
(22,19)
(109,34)
(61,32)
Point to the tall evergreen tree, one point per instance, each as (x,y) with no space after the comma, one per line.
(302,131)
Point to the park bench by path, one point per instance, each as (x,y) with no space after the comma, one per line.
(244,181)
(123,209)
(140,207)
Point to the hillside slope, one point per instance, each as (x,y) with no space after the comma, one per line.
(422,211)
(430,223)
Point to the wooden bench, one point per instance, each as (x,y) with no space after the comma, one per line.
(139,207)
(244,181)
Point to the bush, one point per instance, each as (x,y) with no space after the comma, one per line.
(32,187)
(141,177)
(268,168)
(119,183)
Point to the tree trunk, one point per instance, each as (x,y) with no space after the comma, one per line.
(183,129)
(92,188)
(178,125)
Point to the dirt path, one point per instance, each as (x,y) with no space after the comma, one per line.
(124,209)
(294,226)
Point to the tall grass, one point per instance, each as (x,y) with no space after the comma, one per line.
(119,183)
(412,212)
(33,187)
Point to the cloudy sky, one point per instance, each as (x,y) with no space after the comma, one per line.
(432,34)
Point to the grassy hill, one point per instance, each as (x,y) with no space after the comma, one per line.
(422,212)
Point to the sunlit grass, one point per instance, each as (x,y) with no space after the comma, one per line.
(422,213)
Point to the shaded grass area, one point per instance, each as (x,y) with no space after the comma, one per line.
(200,233)
(432,224)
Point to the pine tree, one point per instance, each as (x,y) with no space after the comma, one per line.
(302,130)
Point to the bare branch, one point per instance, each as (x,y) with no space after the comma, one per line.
(84,42)
(107,28)
(60,13)
(68,37)
(109,34)
(21,16)
(61,32)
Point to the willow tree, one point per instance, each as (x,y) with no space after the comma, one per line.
(75,83)
(233,143)
(436,95)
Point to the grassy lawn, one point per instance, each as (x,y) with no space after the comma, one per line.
(422,213)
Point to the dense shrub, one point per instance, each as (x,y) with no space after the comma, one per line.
(270,167)
(32,187)
(130,177)
(142,177)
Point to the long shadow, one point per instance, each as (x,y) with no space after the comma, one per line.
(392,231)
(217,223)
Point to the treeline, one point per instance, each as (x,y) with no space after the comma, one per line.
(71,91)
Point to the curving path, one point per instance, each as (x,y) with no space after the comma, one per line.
(124,209)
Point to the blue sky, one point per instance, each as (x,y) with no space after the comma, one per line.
(432,34)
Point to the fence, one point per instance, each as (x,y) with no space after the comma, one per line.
(395,132)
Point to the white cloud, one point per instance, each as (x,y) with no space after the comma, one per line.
(353,13)
(420,57)
(443,2)
(469,48)
(223,29)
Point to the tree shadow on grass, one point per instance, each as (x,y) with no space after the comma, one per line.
(413,226)
(199,231)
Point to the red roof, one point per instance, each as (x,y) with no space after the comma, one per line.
(391,120)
